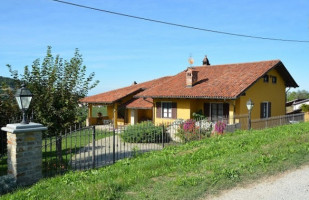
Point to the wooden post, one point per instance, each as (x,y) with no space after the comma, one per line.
(89,118)
(115,115)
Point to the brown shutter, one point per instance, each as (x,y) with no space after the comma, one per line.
(226,110)
(261,111)
(269,109)
(159,110)
(207,110)
(174,110)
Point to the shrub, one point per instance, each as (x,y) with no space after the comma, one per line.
(189,126)
(145,132)
(305,108)
(219,127)
(205,125)
(198,115)
(193,130)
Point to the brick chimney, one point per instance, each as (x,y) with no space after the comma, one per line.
(191,77)
(206,61)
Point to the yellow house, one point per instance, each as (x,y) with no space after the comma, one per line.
(122,107)
(217,91)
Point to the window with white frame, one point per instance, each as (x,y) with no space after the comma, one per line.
(166,109)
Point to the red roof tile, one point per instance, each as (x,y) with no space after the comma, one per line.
(218,81)
(140,103)
(114,95)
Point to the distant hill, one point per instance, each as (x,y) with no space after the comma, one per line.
(8,81)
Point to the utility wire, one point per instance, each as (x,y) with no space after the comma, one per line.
(179,25)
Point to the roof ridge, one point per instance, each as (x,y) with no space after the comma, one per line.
(278,60)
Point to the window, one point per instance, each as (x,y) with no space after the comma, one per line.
(166,109)
(216,111)
(265,78)
(274,79)
(265,109)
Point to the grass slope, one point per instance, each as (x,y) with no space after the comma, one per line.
(184,172)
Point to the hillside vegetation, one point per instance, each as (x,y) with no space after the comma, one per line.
(187,171)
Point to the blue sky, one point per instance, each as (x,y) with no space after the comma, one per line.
(122,50)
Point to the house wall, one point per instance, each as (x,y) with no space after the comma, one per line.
(183,110)
(186,107)
(144,114)
(110,111)
(261,92)
(129,116)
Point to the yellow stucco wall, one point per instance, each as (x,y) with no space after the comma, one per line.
(129,116)
(262,92)
(186,107)
(110,111)
(144,114)
(183,110)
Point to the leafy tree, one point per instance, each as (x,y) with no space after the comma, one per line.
(299,94)
(7,110)
(305,107)
(57,86)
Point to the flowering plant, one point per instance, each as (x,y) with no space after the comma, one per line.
(219,127)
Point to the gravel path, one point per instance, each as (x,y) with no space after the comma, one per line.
(291,185)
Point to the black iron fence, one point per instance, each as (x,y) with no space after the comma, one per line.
(81,147)
(90,147)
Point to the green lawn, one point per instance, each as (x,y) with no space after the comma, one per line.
(187,171)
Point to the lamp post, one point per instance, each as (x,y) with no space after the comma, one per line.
(250,105)
(23,97)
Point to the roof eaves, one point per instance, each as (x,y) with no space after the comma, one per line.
(142,108)
(187,97)
(135,91)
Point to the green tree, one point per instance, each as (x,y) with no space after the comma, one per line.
(57,86)
(299,94)
(8,110)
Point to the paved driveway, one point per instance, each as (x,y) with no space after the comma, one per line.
(291,185)
(104,152)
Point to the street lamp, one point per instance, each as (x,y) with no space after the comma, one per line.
(23,97)
(250,105)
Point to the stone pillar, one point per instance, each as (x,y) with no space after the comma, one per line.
(24,144)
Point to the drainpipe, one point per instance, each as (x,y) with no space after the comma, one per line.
(286,94)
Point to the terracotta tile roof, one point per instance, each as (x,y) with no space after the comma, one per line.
(140,103)
(218,81)
(118,94)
